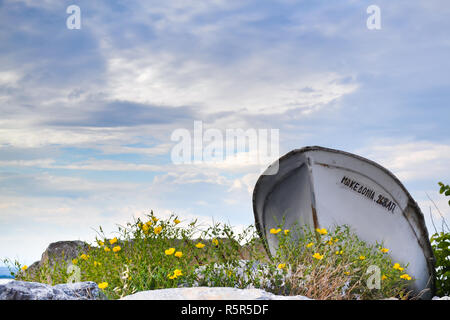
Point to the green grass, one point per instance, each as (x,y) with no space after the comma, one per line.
(159,253)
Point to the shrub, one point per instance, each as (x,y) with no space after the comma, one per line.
(156,253)
(336,265)
(440,242)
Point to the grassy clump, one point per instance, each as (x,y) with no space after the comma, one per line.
(158,253)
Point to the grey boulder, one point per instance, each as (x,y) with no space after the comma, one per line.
(23,290)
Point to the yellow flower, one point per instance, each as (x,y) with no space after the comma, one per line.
(155,219)
(107,249)
(145,228)
(309,245)
(362,258)
(339,252)
(103,285)
(405,276)
(84,257)
(169,251)
(117,248)
(100,243)
(74,261)
(176,221)
(322,231)
(318,256)
(274,231)
(347,273)
(336,240)
(384,250)
(383,277)
(157,230)
(97,263)
(397,267)
(177,272)
(112,241)
(281,266)
(25,267)
(286,232)
(178,254)
(199,245)
(215,242)
(330,242)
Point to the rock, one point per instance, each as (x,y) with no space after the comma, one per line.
(23,290)
(441,298)
(207,293)
(58,251)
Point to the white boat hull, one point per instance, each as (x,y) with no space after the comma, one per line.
(323,188)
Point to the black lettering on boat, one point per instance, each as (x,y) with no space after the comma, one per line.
(383,201)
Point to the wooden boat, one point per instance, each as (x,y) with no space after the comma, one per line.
(322,188)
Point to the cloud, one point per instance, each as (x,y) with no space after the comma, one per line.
(170,80)
(413,160)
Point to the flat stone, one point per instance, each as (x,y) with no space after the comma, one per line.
(209,293)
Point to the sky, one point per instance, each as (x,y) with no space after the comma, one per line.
(87,115)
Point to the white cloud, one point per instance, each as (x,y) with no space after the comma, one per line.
(261,88)
(412,160)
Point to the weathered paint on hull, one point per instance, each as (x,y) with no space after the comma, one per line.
(323,187)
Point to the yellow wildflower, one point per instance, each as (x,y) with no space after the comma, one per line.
(383,277)
(309,245)
(112,241)
(103,285)
(157,230)
(171,277)
(322,231)
(169,251)
(145,228)
(84,257)
(178,254)
(397,267)
(275,231)
(405,276)
(318,256)
(74,261)
(155,219)
(176,221)
(286,232)
(215,242)
(339,252)
(177,272)
(199,245)
(362,258)
(117,248)
(384,250)
(100,243)
(107,249)
(347,273)
(97,264)
(25,267)
(281,266)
